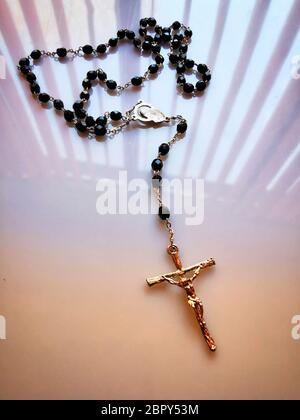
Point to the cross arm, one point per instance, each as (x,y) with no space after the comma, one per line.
(161,278)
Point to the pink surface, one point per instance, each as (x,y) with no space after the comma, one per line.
(80,320)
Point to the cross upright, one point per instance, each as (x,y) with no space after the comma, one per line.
(184,277)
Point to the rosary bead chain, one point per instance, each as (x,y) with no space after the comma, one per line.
(112,122)
(157,165)
(178,36)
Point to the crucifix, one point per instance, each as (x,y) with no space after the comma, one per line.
(184,277)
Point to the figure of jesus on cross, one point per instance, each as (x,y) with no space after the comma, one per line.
(184,277)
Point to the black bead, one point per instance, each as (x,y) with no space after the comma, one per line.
(158,29)
(189,64)
(101,48)
(86,83)
(80,113)
(58,104)
(178,37)
(24,62)
(166,36)
(159,59)
(102,75)
(99,130)
(87,49)
(146,45)
(69,115)
(182,57)
(143,22)
(149,38)
(115,115)
(200,85)
(180,68)
(166,29)
(202,68)
(77,105)
(183,48)
(206,76)
(44,98)
(111,84)
(61,52)
(153,68)
(89,120)
(164,212)
(85,95)
(81,126)
(137,42)
(142,31)
(130,34)
(35,54)
(151,22)
(156,49)
(113,42)
(157,164)
(175,44)
(164,149)
(157,38)
(173,58)
(102,120)
(121,33)
(188,88)
(35,88)
(156,180)
(176,25)
(136,81)
(181,79)
(91,75)
(25,69)
(30,77)
(188,33)
(181,127)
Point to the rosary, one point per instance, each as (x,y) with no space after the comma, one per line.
(177,37)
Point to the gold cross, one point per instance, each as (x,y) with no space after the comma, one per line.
(180,279)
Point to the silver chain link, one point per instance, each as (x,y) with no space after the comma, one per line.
(171,231)
(119,128)
(123,87)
